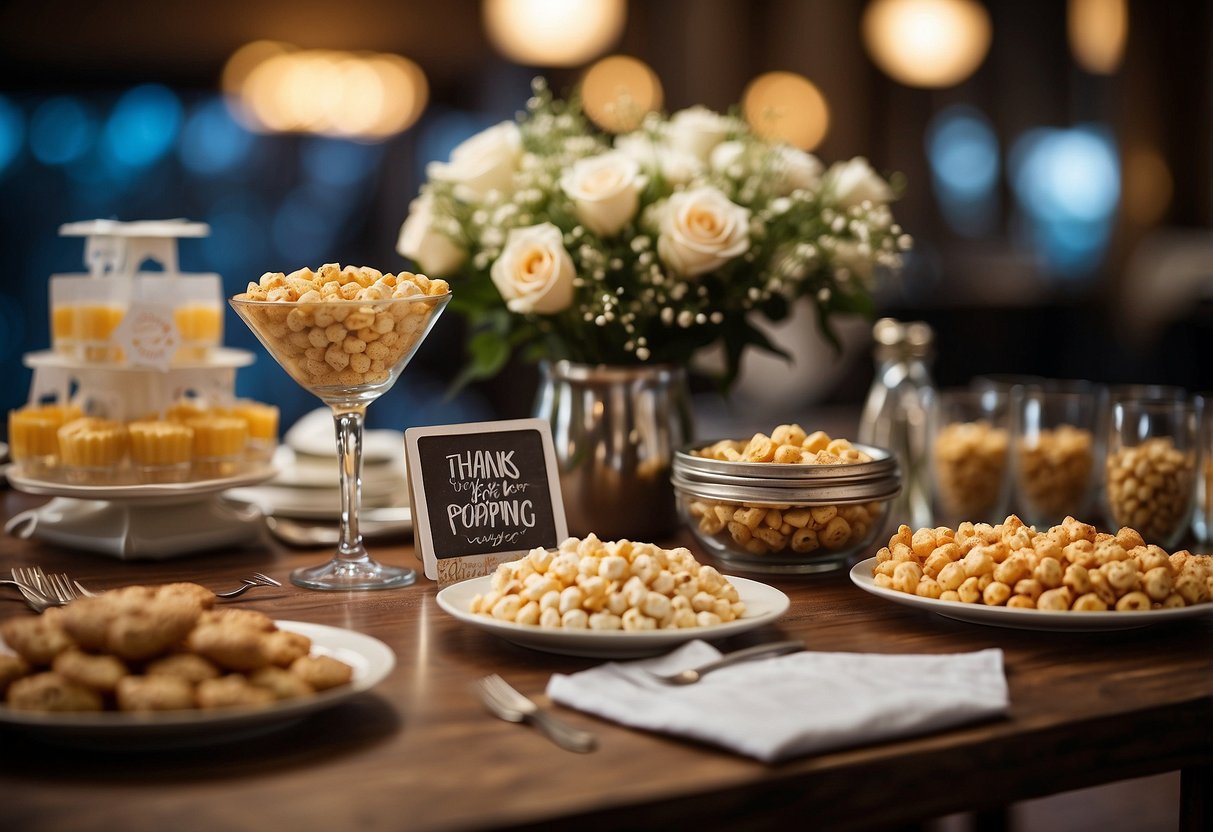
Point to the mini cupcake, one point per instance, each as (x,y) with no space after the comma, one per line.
(161,451)
(262,422)
(183,410)
(218,445)
(92,450)
(33,433)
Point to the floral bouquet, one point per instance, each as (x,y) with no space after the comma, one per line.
(567,243)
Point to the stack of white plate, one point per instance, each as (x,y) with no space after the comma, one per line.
(306,483)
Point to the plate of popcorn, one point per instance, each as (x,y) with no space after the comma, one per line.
(617,599)
(1069,577)
(161,666)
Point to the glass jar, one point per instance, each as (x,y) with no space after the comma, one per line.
(971,433)
(895,412)
(1150,470)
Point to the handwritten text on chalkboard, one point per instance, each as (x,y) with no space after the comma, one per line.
(498,503)
(484,488)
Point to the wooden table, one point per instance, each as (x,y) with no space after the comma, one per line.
(420,753)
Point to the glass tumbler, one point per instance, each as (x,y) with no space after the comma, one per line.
(1055,453)
(971,434)
(1150,471)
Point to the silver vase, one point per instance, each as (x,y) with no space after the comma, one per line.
(615,430)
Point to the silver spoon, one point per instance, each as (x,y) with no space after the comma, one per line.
(692,675)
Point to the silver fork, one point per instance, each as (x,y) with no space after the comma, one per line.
(37,601)
(512,706)
(62,589)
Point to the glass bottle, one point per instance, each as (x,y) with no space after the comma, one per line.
(895,412)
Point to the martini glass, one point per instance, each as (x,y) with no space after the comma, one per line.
(327,348)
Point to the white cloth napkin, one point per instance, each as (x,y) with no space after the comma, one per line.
(781,707)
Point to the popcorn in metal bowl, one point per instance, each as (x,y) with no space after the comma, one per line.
(790,502)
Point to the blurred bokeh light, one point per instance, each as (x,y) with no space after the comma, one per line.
(1148,185)
(61,131)
(1067,183)
(1098,31)
(786,107)
(12,133)
(142,126)
(927,43)
(276,88)
(963,151)
(554,32)
(212,142)
(617,92)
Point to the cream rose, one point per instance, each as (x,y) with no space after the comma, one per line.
(854,182)
(605,190)
(697,130)
(434,252)
(485,162)
(534,272)
(701,230)
(798,171)
(675,166)
(725,155)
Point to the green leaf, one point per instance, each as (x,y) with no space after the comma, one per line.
(488,352)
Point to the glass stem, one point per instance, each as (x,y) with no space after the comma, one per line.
(349,423)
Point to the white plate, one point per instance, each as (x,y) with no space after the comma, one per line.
(303,471)
(136,491)
(1020,619)
(315,435)
(308,503)
(764,604)
(371,659)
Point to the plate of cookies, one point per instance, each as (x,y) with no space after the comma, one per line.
(619,599)
(1069,577)
(163,665)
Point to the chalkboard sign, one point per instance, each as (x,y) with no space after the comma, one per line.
(482,493)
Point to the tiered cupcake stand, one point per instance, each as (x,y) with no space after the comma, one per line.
(125,518)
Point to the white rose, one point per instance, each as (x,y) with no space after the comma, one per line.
(697,130)
(485,162)
(605,190)
(677,167)
(854,181)
(798,170)
(725,154)
(701,230)
(435,253)
(640,146)
(534,272)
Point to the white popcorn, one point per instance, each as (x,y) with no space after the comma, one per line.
(591,584)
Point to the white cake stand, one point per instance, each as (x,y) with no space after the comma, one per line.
(153,521)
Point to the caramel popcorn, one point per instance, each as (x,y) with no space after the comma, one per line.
(324,338)
(970,464)
(1072,566)
(1150,486)
(1055,470)
(788,445)
(589,584)
(761,529)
